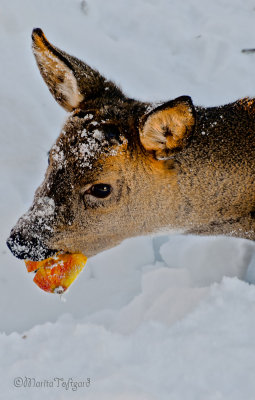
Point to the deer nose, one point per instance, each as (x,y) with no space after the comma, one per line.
(30,248)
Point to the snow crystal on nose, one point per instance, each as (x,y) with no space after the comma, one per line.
(33,228)
(46,206)
(58,156)
(40,215)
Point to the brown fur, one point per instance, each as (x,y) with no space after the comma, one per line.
(174,167)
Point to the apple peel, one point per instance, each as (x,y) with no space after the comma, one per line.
(55,274)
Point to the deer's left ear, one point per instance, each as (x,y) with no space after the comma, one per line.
(167,129)
(71,82)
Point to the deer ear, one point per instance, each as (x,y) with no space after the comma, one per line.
(70,80)
(167,129)
(56,71)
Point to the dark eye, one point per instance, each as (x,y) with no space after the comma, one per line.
(100,190)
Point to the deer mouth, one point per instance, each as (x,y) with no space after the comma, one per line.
(55,274)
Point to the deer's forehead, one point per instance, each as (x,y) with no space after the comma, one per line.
(86,138)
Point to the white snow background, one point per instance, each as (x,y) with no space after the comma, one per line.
(155,318)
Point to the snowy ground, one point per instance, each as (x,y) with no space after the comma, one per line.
(154,318)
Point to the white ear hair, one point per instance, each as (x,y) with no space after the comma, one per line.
(168,128)
(70,80)
(59,77)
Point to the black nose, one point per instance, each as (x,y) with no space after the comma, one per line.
(30,248)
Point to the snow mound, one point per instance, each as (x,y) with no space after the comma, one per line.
(207,355)
(207,260)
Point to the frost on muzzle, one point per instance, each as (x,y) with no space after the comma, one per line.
(28,238)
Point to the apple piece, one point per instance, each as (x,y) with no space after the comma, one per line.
(55,274)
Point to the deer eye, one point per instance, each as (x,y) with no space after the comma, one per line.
(100,190)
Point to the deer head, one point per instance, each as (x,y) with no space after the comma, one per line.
(119,168)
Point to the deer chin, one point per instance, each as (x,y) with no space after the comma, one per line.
(57,273)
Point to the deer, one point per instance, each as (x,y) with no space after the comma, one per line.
(122,168)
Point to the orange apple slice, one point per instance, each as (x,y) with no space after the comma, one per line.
(55,274)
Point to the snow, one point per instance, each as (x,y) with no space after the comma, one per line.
(89,149)
(155,318)
(207,355)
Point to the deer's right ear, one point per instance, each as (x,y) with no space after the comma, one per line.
(70,80)
(167,129)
